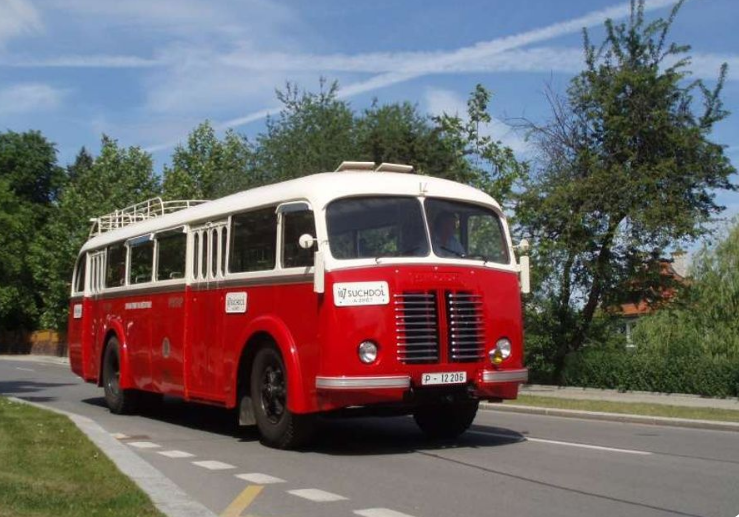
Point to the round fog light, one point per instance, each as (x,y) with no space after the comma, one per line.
(367,352)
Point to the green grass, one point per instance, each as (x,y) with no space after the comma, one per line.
(723,415)
(49,468)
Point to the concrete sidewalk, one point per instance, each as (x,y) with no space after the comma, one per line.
(642,397)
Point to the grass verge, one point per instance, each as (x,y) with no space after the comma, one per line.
(722,415)
(49,468)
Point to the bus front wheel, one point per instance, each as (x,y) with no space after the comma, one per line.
(119,401)
(446,421)
(279,427)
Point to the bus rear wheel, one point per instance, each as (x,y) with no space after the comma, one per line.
(279,427)
(119,401)
(446,421)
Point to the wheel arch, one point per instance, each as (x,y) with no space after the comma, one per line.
(265,331)
(114,328)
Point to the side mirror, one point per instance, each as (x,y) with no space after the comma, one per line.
(306,241)
(524,268)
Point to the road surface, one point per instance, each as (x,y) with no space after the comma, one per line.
(508,464)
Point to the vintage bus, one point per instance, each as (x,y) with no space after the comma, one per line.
(367,287)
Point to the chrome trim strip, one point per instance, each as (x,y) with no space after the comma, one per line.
(381,381)
(497,376)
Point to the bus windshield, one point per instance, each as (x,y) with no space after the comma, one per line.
(394,226)
(375,227)
(467,231)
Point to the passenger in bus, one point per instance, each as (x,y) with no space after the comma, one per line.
(445,242)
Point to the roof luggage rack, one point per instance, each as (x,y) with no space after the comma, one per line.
(143,211)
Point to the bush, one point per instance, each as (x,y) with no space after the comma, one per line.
(700,375)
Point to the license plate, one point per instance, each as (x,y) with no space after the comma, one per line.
(430,379)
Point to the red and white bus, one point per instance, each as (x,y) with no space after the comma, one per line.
(362,288)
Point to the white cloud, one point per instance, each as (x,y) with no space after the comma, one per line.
(18,17)
(29,97)
(440,101)
(422,64)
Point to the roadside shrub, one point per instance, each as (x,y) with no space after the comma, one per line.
(633,371)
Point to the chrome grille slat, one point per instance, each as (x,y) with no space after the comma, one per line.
(416,326)
(466,332)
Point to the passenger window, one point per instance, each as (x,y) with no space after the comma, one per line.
(224,241)
(295,224)
(253,241)
(204,256)
(214,254)
(79,275)
(115,268)
(171,255)
(142,263)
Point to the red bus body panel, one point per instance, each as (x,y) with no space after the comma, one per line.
(181,341)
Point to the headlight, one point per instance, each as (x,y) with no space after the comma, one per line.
(367,352)
(501,351)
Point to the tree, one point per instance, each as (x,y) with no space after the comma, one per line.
(116,178)
(703,320)
(480,161)
(208,167)
(628,170)
(29,183)
(314,132)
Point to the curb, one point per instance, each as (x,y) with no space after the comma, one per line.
(169,498)
(45,359)
(615,417)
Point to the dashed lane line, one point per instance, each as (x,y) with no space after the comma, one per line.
(119,436)
(242,501)
(317,496)
(176,454)
(144,445)
(25,369)
(213,465)
(568,444)
(259,479)
(380,512)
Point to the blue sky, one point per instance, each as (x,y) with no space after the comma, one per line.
(147,71)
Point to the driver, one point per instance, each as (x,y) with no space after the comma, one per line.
(445,242)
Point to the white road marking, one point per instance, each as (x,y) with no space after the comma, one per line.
(568,444)
(24,369)
(213,465)
(380,512)
(144,445)
(259,479)
(119,436)
(176,454)
(318,496)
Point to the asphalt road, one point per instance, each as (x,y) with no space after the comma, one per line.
(509,464)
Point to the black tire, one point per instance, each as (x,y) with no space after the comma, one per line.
(446,421)
(120,401)
(278,426)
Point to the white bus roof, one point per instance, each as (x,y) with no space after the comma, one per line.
(317,189)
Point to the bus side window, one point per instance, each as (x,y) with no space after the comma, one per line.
(253,241)
(142,263)
(115,269)
(295,224)
(171,255)
(79,274)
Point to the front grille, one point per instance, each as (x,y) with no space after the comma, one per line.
(417,327)
(465,323)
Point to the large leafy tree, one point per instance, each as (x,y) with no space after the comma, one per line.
(208,167)
(628,170)
(116,178)
(29,183)
(314,132)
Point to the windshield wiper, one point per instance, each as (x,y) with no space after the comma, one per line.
(461,255)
